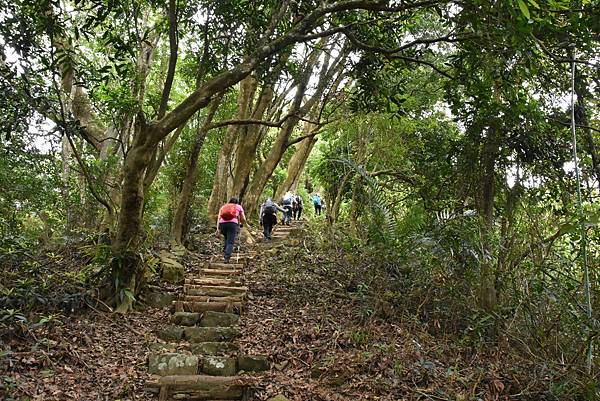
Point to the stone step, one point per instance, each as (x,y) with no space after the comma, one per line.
(213,348)
(219,319)
(210,334)
(208,290)
(252,363)
(213,282)
(198,387)
(229,307)
(236,258)
(185,318)
(224,266)
(218,365)
(172,363)
(218,273)
(205,298)
(231,277)
(170,333)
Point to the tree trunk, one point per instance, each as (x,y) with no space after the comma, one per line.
(298,161)
(297,111)
(487,291)
(66,186)
(248,143)
(219,190)
(220,182)
(127,269)
(185,195)
(582,119)
(335,203)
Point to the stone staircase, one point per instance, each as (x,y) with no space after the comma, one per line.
(200,360)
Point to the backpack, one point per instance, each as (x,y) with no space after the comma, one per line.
(299,201)
(287,200)
(229,211)
(269,208)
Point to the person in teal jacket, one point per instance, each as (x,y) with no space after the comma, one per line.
(316,199)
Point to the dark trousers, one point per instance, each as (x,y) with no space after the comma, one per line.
(317,210)
(268,221)
(297,213)
(229,231)
(267,229)
(287,215)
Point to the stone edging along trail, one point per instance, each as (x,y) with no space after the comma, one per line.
(206,317)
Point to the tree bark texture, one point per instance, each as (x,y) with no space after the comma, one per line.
(248,142)
(489,154)
(297,111)
(298,160)
(178,228)
(219,190)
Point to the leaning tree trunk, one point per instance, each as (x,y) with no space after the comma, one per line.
(248,143)
(297,111)
(220,181)
(299,158)
(298,161)
(189,182)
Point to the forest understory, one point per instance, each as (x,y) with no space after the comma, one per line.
(329,331)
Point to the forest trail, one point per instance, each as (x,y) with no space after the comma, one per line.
(200,360)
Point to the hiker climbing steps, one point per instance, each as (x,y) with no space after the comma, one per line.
(200,360)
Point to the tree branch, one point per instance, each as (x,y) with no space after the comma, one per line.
(250,121)
(201,97)
(173,49)
(423,62)
(86,174)
(568,124)
(303,137)
(376,49)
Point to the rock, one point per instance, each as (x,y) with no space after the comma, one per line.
(160,347)
(171,333)
(172,270)
(213,348)
(219,319)
(253,363)
(185,318)
(171,364)
(280,397)
(199,387)
(210,334)
(177,249)
(159,299)
(219,365)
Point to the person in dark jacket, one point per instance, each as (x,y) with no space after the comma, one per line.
(298,207)
(288,204)
(268,216)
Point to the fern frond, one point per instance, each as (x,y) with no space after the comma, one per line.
(376,196)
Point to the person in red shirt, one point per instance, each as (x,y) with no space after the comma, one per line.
(231,216)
